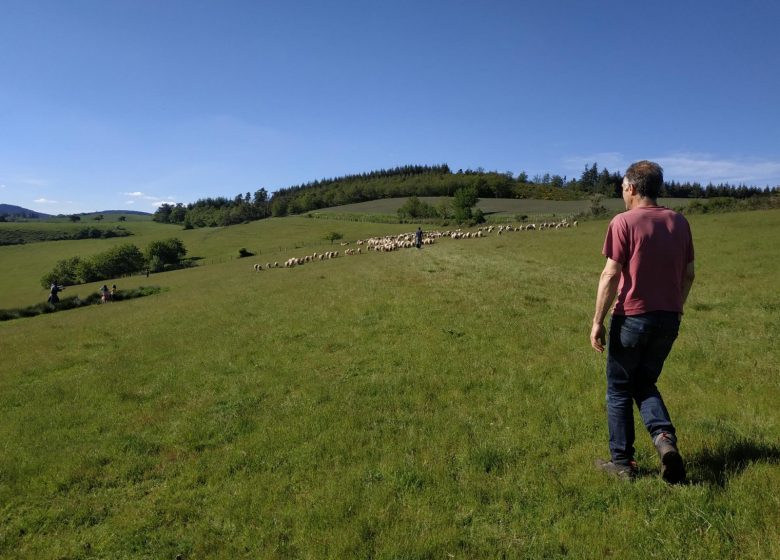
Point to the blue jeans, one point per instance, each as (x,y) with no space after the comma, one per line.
(638,346)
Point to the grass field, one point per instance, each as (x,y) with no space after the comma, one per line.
(500,207)
(440,403)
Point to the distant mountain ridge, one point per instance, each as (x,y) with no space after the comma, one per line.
(18,211)
(11,210)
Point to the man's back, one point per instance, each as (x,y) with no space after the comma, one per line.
(654,245)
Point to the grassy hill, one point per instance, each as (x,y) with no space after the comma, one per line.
(416,404)
(535,209)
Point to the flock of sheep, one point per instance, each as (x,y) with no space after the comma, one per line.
(407,241)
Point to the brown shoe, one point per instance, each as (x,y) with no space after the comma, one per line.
(623,472)
(672,467)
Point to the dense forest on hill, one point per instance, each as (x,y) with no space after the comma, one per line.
(421,180)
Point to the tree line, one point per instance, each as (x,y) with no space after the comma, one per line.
(420,181)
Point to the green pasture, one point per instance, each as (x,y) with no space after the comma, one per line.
(271,239)
(501,207)
(420,404)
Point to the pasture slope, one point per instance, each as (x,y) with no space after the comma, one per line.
(498,207)
(440,403)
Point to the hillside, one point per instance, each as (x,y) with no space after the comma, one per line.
(18,211)
(425,181)
(129,212)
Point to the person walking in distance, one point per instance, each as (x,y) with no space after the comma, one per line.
(54,289)
(649,251)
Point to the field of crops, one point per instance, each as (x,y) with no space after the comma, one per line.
(434,403)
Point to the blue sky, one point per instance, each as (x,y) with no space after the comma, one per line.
(126,104)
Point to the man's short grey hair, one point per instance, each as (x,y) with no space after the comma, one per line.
(647,177)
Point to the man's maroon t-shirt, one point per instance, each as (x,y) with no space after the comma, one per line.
(654,245)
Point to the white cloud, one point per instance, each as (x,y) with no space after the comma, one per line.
(44,201)
(2,186)
(707,168)
(155,201)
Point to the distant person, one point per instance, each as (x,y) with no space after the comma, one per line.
(649,267)
(418,237)
(113,291)
(54,289)
(105,294)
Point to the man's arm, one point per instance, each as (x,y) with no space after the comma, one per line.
(608,285)
(688,277)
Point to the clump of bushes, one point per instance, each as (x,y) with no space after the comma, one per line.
(74,302)
(416,208)
(165,253)
(243,252)
(118,261)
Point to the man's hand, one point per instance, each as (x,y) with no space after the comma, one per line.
(597,337)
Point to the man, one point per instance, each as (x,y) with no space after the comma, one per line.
(649,253)
(418,235)
(53,291)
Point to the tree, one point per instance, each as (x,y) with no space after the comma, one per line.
(178,214)
(65,272)
(163,213)
(279,207)
(98,218)
(465,199)
(165,252)
(597,207)
(589,178)
(416,208)
(74,218)
(444,209)
(334,236)
(260,202)
(122,219)
(117,261)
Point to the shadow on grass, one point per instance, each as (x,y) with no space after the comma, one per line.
(74,302)
(717,466)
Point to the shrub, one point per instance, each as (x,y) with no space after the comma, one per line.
(243,252)
(65,272)
(416,208)
(167,251)
(333,236)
